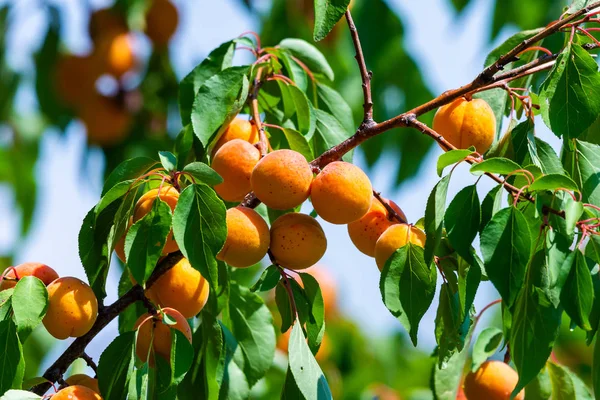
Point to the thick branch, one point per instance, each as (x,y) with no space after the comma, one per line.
(364,73)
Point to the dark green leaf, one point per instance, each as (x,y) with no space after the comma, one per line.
(546,158)
(168,160)
(451,323)
(298,143)
(203,173)
(451,157)
(557,249)
(268,279)
(336,105)
(182,354)
(235,385)
(184,145)
(116,366)
(127,170)
(284,306)
(553,182)
(5,303)
(296,103)
(115,193)
(309,55)
(434,217)
(583,165)
(462,220)
(315,325)
(327,14)
(592,249)
(329,133)
(29,302)
(486,345)
(12,363)
(469,278)
(540,388)
(577,295)
(509,44)
(496,165)
(491,204)
(139,384)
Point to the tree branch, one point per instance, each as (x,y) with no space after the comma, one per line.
(262,144)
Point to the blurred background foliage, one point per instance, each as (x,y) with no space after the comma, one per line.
(127,102)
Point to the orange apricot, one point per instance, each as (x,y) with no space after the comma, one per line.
(116,54)
(247,240)
(341,193)
(72,308)
(76,392)
(169,195)
(395,237)
(182,287)
(494,380)
(239,128)
(106,121)
(235,161)
(297,241)
(161,22)
(39,270)
(84,380)
(465,123)
(365,231)
(75,79)
(282,179)
(153,331)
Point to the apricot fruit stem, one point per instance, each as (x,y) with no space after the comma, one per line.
(6,271)
(263,147)
(392,214)
(484,309)
(285,282)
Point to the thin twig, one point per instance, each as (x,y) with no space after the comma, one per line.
(262,144)
(365,74)
(90,362)
(286,284)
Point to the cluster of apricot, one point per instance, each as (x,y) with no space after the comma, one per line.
(108,118)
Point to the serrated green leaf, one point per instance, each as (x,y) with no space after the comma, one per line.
(29,302)
(12,363)
(284,306)
(553,182)
(139,384)
(566,385)
(496,165)
(116,366)
(491,204)
(577,295)
(434,217)
(451,323)
(462,220)
(583,165)
(298,143)
(115,193)
(451,157)
(268,279)
(315,324)
(127,170)
(309,55)
(335,105)
(329,133)
(327,14)
(557,249)
(203,173)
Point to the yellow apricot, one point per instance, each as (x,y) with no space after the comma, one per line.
(72,308)
(297,241)
(341,193)
(239,128)
(494,380)
(115,53)
(152,330)
(365,231)
(75,79)
(169,195)
(84,380)
(161,22)
(235,161)
(395,237)
(182,287)
(107,122)
(282,179)
(465,123)
(39,270)
(247,240)
(76,392)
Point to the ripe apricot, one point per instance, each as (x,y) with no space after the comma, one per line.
(39,270)
(235,161)
(465,123)
(182,287)
(106,121)
(395,237)
(365,231)
(76,392)
(494,380)
(239,128)
(72,308)
(106,22)
(161,22)
(115,53)
(247,240)
(169,195)
(75,79)
(152,330)
(297,241)
(84,380)
(282,179)
(341,193)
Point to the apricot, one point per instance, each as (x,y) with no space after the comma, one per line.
(116,54)
(39,270)
(182,287)
(248,238)
(72,308)
(282,179)
(395,237)
(494,380)
(106,121)
(239,128)
(328,287)
(106,23)
(169,195)
(84,380)
(341,193)
(76,392)
(161,22)
(465,123)
(297,241)
(235,161)
(120,248)
(75,79)
(365,231)
(153,331)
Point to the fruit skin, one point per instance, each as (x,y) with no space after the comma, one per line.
(282,179)
(467,123)
(84,380)
(248,238)
(107,122)
(297,241)
(365,231)
(72,308)
(75,79)
(76,392)
(235,161)
(395,237)
(115,53)
(161,22)
(39,270)
(169,195)
(239,128)
(182,287)
(494,380)
(341,193)
(161,343)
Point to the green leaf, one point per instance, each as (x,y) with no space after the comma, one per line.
(199,228)
(296,103)
(315,324)
(329,133)
(336,105)
(497,99)
(577,295)
(218,100)
(235,385)
(305,369)
(139,385)
(407,286)
(546,158)
(491,204)
(182,354)
(583,165)
(496,165)
(508,45)
(6,303)
(451,323)
(115,193)
(434,217)
(486,345)
(184,145)
(506,245)
(284,306)
(577,5)
(557,249)
(540,388)
(469,278)
(566,106)
(294,71)
(268,279)
(592,249)
(553,182)
(309,55)
(517,144)
(327,14)
(298,143)
(168,160)
(203,173)
(596,369)
(116,366)
(127,170)
(462,220)
(19,395)
(566,385)
(30,302)
(12,363)
(451,157)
